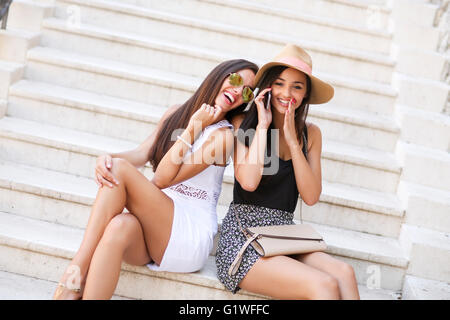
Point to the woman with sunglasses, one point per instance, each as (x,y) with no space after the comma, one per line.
(269,176)
(172,219)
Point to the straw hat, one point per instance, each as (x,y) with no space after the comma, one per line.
(295,57)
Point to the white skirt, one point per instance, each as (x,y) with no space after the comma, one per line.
(192,237)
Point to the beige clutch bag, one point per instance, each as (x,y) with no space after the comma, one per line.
(279,240)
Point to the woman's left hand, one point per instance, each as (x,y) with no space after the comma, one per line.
(205,116)
(289,126)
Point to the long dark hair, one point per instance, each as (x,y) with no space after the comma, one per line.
(251,119)
(206,93)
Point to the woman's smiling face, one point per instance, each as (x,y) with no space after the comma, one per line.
(290,84)
(230,96)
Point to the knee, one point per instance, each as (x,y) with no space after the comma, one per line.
(325,288)
(119,230)
(346,273)
(119,167)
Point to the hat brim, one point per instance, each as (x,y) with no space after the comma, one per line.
(321,92)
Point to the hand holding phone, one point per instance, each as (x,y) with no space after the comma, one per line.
(268,98)
(263,107)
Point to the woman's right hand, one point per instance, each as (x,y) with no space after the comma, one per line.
(103,175)
(264,115)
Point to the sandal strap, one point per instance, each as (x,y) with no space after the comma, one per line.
(76,290)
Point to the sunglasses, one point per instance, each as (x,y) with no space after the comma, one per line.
(236,80)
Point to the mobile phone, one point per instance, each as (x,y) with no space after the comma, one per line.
(268,97)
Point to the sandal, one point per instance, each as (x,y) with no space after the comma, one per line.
(60,289)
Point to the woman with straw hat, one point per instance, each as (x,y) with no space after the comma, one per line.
(269,176)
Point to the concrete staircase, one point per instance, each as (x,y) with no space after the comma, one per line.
(81,78)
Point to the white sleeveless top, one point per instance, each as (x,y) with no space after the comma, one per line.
(195,215)
(203,189)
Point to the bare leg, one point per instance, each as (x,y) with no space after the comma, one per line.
(108,203)
(151,206)
(123,239)
(343,272)
(282,277)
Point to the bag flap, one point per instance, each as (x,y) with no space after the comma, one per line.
(300,231)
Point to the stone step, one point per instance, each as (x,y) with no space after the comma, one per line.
(113,78)
(46,194)
(14,44)
(55,147)
(3,107)
(356,126)
(211,35)
(420,19)
(434,127)
(203,19)
(40,240)
(421,93)
(19,287)
(373,15)
(10,72)
(342,163)
(160,87)
(357,209)
(125,119)
(269,18)
(424,206)
(43,250)
(428,252)
(434,68)
(415,158)
(374,170)
(423,289)
(28,14)
(83,110)
(67,199)
(189,59)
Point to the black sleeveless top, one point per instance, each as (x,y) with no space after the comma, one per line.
(275,191)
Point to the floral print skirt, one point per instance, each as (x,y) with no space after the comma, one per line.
(231,239)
